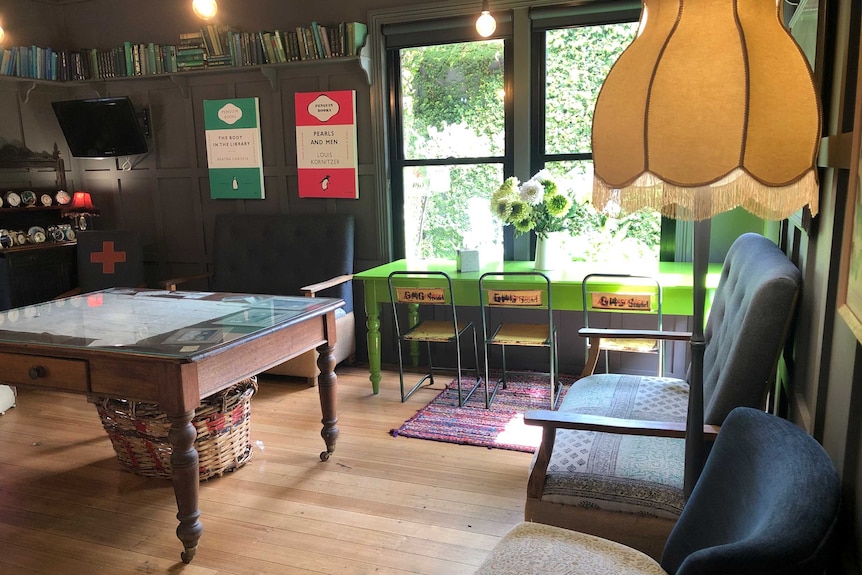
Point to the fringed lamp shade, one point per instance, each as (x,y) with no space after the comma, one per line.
(712,106)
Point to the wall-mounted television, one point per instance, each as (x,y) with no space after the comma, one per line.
(101,127)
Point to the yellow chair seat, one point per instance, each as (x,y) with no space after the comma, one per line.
(522,334)
(434,331)
(635,345)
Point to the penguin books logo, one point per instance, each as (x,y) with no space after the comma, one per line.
(323,108)
(230,114)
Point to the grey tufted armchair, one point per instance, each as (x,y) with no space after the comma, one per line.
(611,459)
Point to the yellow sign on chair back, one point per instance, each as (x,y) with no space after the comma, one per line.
(515,297)
(622,301)
(420,295)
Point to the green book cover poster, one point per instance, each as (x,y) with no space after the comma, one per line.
(234,155)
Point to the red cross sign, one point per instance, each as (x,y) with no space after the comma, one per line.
(107,257)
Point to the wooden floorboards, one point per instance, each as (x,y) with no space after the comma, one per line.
(381,505)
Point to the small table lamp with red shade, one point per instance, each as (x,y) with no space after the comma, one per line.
(80,207)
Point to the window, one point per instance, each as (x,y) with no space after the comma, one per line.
(452,145)
(451,122)
(572,63)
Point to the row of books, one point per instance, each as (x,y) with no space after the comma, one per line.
(211,47)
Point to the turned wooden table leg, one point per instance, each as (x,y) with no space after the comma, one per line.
(327,388)
(186,481)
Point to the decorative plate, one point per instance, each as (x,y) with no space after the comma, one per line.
(37,234)
(46,199)
(13,199)
(28,198)
(20,238)
(62,197)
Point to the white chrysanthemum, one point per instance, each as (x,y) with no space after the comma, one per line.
(532,192)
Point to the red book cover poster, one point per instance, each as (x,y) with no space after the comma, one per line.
(326,144)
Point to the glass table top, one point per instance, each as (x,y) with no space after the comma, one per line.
(155,322)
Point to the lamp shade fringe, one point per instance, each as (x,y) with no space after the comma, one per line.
(702,202)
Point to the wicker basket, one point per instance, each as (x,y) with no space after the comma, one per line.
(139,432)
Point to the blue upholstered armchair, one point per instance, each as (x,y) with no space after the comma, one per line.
(768,502)
(288,254)
(611,459)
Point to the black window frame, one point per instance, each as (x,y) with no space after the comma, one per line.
(432,33)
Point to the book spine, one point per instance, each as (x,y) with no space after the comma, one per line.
(303,48)
(360,33)
(294,46)
(324,37)
(4,61)
(279,46)
(309,43)
(151,58)
(318,42)
(265,39)
(127,56)
(207,41)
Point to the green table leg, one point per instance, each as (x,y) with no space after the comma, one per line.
(372,324)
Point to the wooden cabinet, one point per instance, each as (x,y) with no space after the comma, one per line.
(37,273)
(32,272)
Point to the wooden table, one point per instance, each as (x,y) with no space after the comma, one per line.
(170,348)
(676,280)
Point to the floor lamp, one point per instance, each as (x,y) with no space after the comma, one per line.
(712,106)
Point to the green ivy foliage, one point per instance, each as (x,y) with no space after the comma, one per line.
(453,107)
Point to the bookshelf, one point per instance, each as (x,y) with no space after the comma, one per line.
(213,48)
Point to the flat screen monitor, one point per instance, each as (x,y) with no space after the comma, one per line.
(101,127)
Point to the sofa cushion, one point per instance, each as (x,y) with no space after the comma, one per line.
(281,253)
(537,549)
(631,473)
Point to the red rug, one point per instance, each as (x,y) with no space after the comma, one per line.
(500,427)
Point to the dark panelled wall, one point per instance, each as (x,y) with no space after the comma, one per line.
(165,195)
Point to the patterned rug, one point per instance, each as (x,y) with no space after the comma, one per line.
(500,427)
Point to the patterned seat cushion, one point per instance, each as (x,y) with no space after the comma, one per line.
(537,549)
(629,473)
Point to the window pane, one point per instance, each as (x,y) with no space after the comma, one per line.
(597,237)
(452,100)
(577,62)
(448,207)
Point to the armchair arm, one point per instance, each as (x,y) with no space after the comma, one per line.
(171,284)
(585,422)
(311,290)
(550,421)
(596,334)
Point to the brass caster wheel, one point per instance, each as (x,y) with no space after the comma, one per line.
(324,455)
(188,555)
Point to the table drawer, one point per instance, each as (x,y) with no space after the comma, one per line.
(21,369)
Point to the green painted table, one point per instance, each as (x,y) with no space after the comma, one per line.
(676,280)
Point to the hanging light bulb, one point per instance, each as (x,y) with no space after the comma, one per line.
(485,23)
(205,9)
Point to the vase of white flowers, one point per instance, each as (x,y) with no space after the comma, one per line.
(537,205)
(549,251)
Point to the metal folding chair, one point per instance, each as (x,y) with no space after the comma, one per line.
(520,291)
(416,289)
(606,293)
